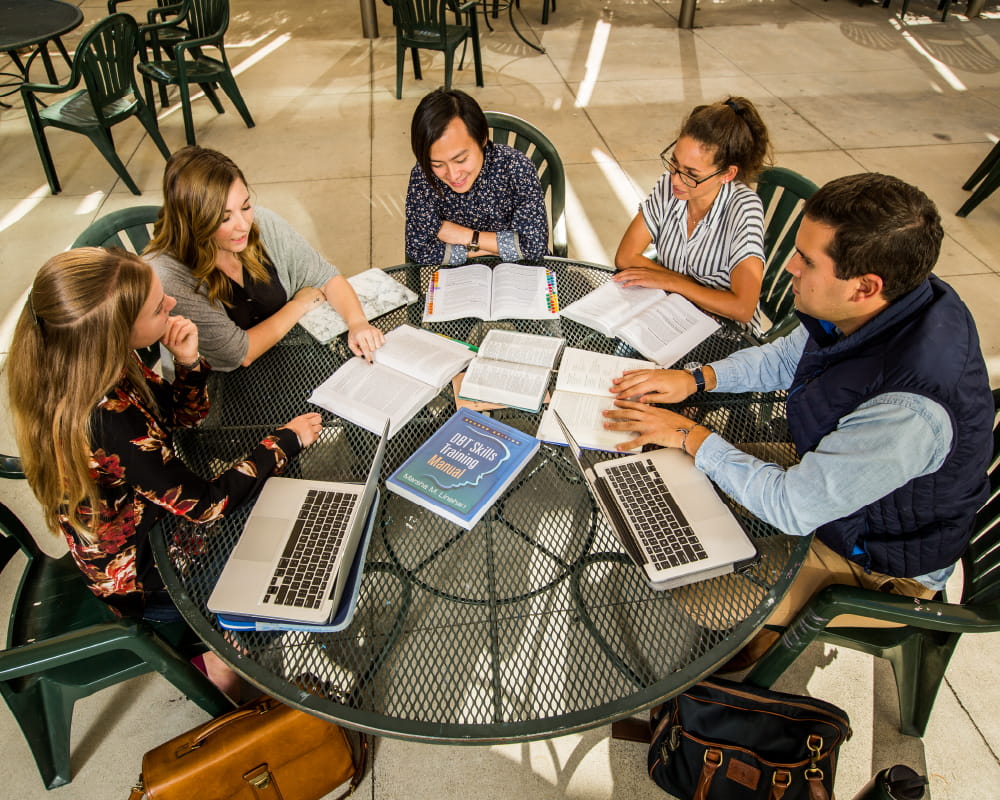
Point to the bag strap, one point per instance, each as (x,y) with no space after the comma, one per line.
(712,761)
(258,780)
(817,791)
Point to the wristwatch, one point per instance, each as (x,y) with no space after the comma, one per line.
(694,368)
(474,244)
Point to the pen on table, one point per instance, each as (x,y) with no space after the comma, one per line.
(472,347)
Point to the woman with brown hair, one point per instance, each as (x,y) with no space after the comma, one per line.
(242,275)
(705,222)
(94,425)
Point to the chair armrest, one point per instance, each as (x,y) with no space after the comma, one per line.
(163,11)
(929,614)
(10,467)
(67,648)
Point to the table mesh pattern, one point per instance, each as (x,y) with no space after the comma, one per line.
(532,623)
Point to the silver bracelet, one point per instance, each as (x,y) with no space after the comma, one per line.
(684,439)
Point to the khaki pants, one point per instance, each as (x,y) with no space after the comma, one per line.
(823,568)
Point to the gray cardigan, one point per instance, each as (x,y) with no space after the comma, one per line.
(221,341)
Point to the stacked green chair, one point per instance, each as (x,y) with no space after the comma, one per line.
(982,182)
(104,63)
(63,644)
(167,37)
(920,650)
(205,23)
(783,193)
(522,135)
(423,25)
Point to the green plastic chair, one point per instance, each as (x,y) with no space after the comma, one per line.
(920,651)
(522,135)
(129,229)
(166,38)
(984,181)
(104,62)
(423,25)
(783,193)
(63,644)
(205,22)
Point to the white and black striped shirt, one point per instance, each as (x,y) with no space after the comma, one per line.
(732,230)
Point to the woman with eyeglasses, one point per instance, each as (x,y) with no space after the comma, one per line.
(705,222)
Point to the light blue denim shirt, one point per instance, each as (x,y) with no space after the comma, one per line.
(884,443)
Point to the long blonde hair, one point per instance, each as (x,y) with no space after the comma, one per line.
(71,346)
(196,185)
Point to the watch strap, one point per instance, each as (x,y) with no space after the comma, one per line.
(699,379)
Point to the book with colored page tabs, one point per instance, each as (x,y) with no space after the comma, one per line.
(461,470)
(663,326)
(506,291)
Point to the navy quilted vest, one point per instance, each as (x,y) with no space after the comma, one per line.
(925,343)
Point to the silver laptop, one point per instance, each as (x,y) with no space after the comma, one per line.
(294,556)
(667,515)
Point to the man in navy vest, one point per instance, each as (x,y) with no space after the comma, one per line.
(889,404)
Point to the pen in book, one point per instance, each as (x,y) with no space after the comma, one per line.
(472,347)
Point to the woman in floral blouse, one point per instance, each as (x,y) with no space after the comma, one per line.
(93,424)
(467,196)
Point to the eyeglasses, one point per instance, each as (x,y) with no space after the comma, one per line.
(671,166)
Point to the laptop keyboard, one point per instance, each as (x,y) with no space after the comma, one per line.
(311,551)
(661,529)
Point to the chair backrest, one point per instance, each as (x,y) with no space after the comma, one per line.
(205,19)
(783,193)
(105,59)
(129,228)
(981,562)
(420,19)
(522,135)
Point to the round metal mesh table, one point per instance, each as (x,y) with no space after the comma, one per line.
(533,623)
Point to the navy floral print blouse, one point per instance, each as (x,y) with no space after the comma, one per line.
(140,479)
(506,199)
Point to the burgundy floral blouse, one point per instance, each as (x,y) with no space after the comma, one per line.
(140,479)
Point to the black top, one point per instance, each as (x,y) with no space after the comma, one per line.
(253,302)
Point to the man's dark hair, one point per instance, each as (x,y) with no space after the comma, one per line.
(883,225)
(432,116)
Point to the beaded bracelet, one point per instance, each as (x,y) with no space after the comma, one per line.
(192,365)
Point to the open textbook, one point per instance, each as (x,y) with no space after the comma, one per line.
(662,326)
(508,291)
(581,394)
(379,294)
(408,372)
(512,368)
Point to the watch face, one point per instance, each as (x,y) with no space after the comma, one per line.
(691,366)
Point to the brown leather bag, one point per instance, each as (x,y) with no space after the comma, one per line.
(263,750)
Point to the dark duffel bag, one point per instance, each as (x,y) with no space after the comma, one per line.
(722,740)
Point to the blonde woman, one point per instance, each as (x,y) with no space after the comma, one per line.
(241,274)
(93,425)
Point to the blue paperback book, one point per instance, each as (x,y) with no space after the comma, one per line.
(461,470)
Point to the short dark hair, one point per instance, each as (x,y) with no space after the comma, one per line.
(432,116)
(884,226)
(734,130)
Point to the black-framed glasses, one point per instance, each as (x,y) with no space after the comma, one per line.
(671,166)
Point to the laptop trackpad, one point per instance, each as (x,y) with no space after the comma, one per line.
(699,501)
(262,539)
